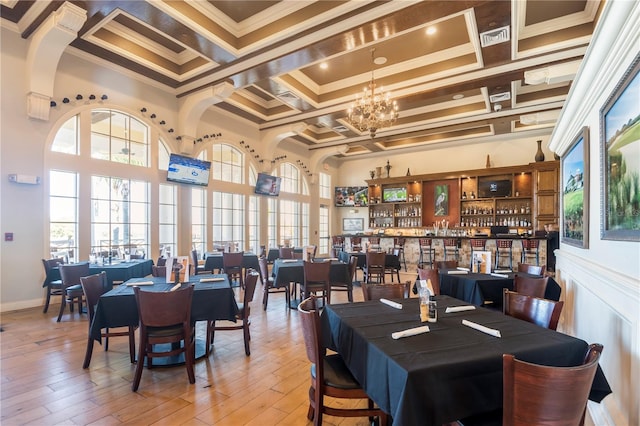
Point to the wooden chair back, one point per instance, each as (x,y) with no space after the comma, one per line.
(158,271)
(165,317)
(317,277)
(232,265)
(161,261)
(430,274)
(537,394)
(543,312)
(530,269)
(374,267)
(385,291)
(286,253)
(531,286)
(446,264)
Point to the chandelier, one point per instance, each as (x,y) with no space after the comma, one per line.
(372,110)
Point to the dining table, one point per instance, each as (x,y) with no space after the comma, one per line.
(287,271)
(480,289)
(390,260)
(450,372)
(117,271)
(213,299)
(213,261)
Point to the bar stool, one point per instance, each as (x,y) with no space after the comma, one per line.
(450,248)
(374,243)
(398,248)
(530,248)
(504,248)
(337,245)
(426,250)
(356,243)
(477,244)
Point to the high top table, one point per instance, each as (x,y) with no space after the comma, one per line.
(449,373)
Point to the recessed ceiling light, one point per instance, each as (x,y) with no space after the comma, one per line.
(324,65)
(431,31)
(458,96)
(380,60)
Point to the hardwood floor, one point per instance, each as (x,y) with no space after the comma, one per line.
(43,383)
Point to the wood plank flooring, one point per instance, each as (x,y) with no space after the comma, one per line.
(42,381)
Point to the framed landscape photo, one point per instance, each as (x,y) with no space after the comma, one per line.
(620,157)
(353,224)
(575,191)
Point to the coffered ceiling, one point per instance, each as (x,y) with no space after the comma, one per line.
(304,61)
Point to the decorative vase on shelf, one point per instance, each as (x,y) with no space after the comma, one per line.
(539,154)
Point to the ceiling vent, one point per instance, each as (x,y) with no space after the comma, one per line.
(499,35)
(288,97)
(340,129)
(500,97)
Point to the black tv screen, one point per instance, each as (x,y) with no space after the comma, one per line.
(494,188)
(267,185)
(351,196)
(188,170)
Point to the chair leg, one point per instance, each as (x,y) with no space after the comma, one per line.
(62,305)
(265,297)
(46,303)
(189,358)
(87,355)
(247,336)
(209,338)
(142,353)
(132,344)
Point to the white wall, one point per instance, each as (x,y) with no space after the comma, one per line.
(601,284)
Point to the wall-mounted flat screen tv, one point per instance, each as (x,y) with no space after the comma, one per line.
(394,195)
(188,170)
(267,185)
(351,196)
(494,188)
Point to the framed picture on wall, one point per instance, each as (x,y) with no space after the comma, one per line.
(620,159)
(441,200)
(351,224)
(574,167)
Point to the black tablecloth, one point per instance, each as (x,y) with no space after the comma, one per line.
(117,271)
(390,260)
(479,288)
(214,261)
(451,372)
(285,272)
(211,301)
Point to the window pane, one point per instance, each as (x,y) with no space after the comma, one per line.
(66,140)
(62,209)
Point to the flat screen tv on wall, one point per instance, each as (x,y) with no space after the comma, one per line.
(494,188)
(188,170)
(394,195)
(267,185)
(351,196)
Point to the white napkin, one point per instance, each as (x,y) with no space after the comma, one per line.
(410,332)
(503,271)
(460,268)
(391,303)
(456,272)
(175,287)
(493,274)
(451,309)
(289,260)
(208,280)
(332,258)
(482,328)
(140,283)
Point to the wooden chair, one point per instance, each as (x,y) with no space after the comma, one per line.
(348,286)
(337,245)
(374,243)
(356,243)
(232,266)
(93,287)
(158,271)
(71,288)
(542,312)
(427,252)
(504,248)
(268,286)
(393,269)
(446,264)
(450,248)
(531,286)
(317,278)
(530,269)
(244,310)
(329,374)
(53,287)
(196,268)
(430,274)
(385,291)
(477,244)
(286,253)
(537,394)
(165,317)
(374,267)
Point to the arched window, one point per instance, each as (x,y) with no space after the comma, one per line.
(66,140)
(227,164)
(119,137)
